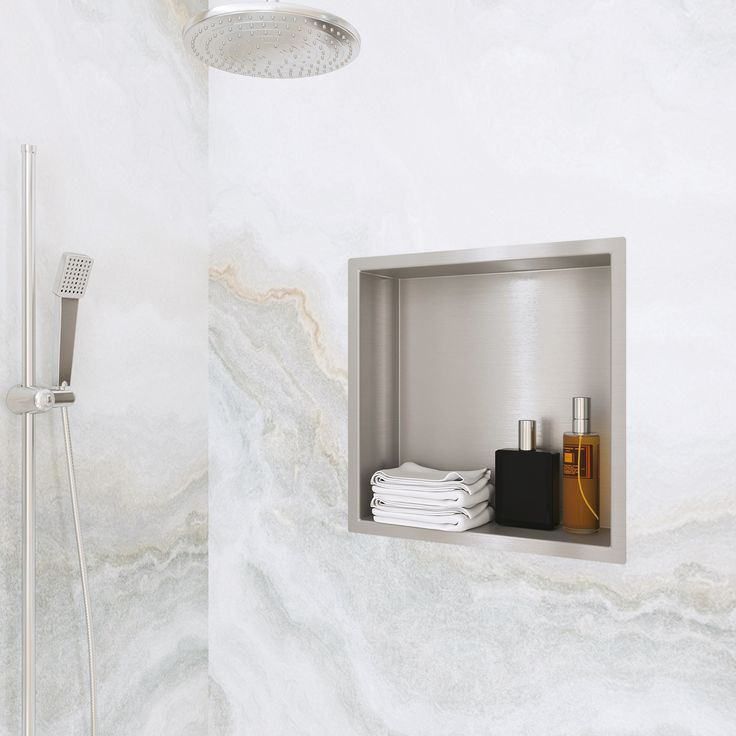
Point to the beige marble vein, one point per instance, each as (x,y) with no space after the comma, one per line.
(314,630)
(229,276)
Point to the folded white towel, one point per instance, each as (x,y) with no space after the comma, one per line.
(453,490)
(402,498)
(411,474)
(448,523)
(430,515)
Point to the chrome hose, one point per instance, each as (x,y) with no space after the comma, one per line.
(82,569)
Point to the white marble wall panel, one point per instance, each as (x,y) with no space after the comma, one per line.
(119,114)
(464,124)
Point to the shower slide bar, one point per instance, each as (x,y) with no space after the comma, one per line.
(28,399)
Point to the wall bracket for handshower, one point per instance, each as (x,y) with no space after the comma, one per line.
(35,400)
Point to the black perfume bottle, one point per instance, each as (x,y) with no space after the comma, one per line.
(527,483)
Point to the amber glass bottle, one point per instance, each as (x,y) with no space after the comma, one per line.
(581,472)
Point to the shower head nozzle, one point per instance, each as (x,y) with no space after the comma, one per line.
(272,39)
(72,276)
(70,285)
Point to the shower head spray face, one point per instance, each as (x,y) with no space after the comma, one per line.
(72,276)
(273,40)
(70,285)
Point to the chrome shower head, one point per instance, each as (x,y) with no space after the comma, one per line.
(70,285)
(72,276)
(273,40)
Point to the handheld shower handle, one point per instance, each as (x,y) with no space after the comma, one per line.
(71,283)
(67,331)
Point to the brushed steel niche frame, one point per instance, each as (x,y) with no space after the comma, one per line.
(377,435)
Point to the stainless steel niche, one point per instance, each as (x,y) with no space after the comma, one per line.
(448,350)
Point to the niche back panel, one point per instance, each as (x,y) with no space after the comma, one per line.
(449,350)
(478,353)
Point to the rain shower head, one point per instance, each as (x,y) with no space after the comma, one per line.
(70,285)
(271,39)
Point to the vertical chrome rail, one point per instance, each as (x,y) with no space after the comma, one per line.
(29,470)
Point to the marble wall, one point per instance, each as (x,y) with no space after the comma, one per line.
(118,112)
(466,124)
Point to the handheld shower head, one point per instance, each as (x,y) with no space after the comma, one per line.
(72,276)
(70,285)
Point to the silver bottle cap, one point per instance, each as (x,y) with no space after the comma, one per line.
(581,415)
(527,434)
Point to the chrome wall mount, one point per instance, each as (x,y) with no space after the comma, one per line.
(34,400)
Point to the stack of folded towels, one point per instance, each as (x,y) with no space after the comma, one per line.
(412,495)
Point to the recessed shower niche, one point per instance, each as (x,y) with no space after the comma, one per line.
(448,350)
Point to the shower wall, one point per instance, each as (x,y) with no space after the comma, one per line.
(469,124)
(118,112)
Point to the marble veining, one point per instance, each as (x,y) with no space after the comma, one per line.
(314,630)
(118,112)
(488,124)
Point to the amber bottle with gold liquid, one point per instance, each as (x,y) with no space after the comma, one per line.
(581,472)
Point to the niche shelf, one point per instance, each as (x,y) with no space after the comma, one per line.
(448,350)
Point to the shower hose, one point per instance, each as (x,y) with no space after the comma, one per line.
(82,569)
